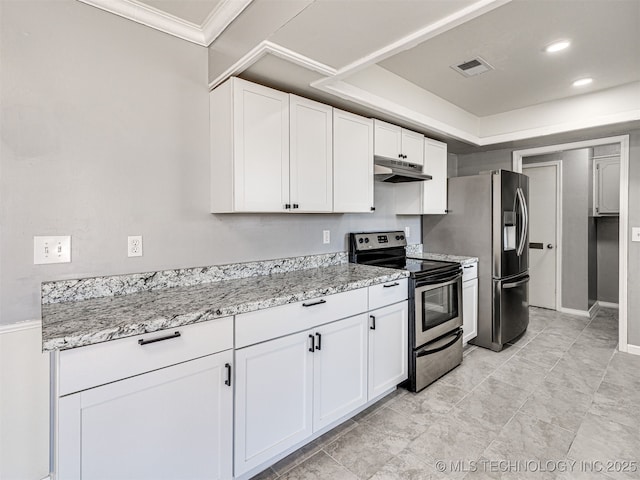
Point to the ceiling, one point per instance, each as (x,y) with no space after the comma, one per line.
(194,11)
(605,45)
(391,58)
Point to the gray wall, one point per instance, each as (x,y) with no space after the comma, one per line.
(608,232)
(592,253)
(575,226)
(633,272)
(104,134)
(474,163)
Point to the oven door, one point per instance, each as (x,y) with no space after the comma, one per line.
(438,307)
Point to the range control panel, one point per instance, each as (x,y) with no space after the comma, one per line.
(375,240)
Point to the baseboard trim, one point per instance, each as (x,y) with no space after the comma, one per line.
(572,311)
(633,349)
(595,308)
(19,326)
(608,304)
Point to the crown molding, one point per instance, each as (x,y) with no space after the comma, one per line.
(203,35)
(221,17)
(269,48)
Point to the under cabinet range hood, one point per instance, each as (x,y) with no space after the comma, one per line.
(396,171)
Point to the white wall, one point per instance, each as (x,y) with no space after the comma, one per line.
(24,404)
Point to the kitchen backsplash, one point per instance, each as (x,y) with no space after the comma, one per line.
(98,287)
(414,249)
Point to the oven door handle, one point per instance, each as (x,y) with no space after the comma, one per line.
(422,353)
(440,281)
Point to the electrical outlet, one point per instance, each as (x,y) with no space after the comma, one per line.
(55,249)
(407,232)
(134,246)
(326,236)
(635,234)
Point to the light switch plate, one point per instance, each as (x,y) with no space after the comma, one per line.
(407,232)
(52,249)
(635,234)
(326,236)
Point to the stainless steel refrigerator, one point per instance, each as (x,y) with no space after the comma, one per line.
(488,218)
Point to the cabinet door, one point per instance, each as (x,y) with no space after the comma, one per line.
(274,382)
(311,156)
(387,140)
(261,148)
(470,309)
(412,147)
(170,423)
(388,347)
(352,162)
(339,370)
(435,190)
(608,175)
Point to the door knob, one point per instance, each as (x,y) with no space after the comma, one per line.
(549,245)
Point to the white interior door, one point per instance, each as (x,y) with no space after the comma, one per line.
(543,201)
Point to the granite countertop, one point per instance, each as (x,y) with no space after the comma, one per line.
(78,323)
(444,257)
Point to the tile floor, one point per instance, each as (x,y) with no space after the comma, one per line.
(560,399)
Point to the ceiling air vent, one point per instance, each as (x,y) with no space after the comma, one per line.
(473,67)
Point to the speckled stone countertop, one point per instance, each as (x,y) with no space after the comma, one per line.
(444,257)
(78,323)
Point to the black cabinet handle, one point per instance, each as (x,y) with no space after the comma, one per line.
(468,266)
(319,302)
(295,205)
(319,346)
(373,322)
(373,209)
(399,155)
(287,206)
(313,343)
(228,380)
(394,284)
(142,341)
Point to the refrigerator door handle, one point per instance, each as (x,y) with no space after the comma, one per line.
(525,221)
(516,284)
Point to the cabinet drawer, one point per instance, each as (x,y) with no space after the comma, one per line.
(470,271)
(93,365)
(261,325)
(388,293)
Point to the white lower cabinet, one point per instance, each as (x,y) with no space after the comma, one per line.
(339,370)
(273,405)
(388,344)
(175,422)
(470,302)
(291,387)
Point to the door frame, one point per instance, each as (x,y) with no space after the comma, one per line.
(623,140)
(558,269)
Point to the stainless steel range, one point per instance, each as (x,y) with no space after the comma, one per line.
(435,303)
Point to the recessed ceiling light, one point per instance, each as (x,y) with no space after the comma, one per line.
(557,46)
(582,82)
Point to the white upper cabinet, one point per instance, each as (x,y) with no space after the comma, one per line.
(412,147)
(396,143)
(352,162)
(435,190)
(311,158)
(430,196)
(249,148)
(606,184)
